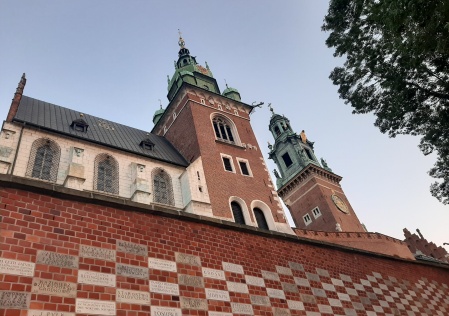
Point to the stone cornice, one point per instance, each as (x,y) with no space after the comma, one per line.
(304,174)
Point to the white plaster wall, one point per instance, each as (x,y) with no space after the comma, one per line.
(90,152)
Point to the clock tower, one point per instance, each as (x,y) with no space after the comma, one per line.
(309,188)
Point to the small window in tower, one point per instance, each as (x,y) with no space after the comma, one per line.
(244,167)
(198,175)
(307,219)
(277,130)
(287,160)
(316,212)
(309,154)
(227,163)
(203,102)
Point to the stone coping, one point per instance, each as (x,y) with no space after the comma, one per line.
(58,191)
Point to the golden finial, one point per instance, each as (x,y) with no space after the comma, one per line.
(181,42)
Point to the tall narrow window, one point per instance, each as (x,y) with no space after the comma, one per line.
(244,168)
(106,174)
(260,218)
(277,130)
(162,187)
(44,160)
(238,213)
(223,130)
(287,160)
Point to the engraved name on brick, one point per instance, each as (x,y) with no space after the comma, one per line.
(296,266)
(94,307)
(270,275)
(219,314)
(16,267)
(160,264)
(165,311)
(302,282)
(97,253)
(277,311)
(57,259)
(36,312)
(130,247)
(133,297)
(53,287)
(14,300)
(232,267)
(213,274)
(275,293)
(237,287)
(325,309)
(193,303)
(132,271)
(256,281)
(260,300)
(296,305)
(284,270)
(96,278)
(289,287)
(188,259)
(218,295)
(239,308)
(164,288)
(190,280)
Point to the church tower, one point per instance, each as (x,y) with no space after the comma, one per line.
(212,130)
(311,191)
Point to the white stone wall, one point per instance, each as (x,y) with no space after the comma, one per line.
(194,189)
(127,162)
(9,138)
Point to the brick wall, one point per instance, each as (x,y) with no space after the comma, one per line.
(71,251)
(191,132)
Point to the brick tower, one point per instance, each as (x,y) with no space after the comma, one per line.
(212,130)
(311,191)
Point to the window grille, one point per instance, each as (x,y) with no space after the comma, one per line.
(106,174)
(260,218)
(223,130)
(44,160)
(238,213)
(162,187)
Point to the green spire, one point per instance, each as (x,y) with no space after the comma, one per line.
(187,70)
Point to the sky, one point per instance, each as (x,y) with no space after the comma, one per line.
(111,59)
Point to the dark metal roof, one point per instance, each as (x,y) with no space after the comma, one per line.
(58,119)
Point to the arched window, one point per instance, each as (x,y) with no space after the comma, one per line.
(106,174)
(223,129)
(260,218)
(238,213)
(162,187)
(44,160)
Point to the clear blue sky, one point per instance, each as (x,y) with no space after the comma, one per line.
(111,59)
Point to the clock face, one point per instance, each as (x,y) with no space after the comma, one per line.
(341,205)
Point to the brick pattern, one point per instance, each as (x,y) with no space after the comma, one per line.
(193,267)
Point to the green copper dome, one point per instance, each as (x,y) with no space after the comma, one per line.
(232,93)
(157,115)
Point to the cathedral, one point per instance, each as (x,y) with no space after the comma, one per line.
(99,218)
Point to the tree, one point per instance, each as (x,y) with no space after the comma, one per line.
(397,66)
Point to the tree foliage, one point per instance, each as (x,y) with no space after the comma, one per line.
(397,66)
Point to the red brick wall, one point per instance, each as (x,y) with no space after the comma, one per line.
(32,223)
(317,192)
(193,135)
